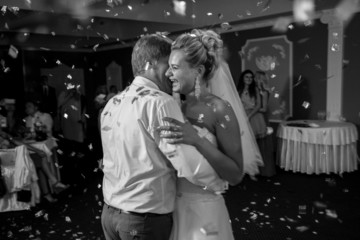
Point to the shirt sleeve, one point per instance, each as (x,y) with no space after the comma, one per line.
(187,161)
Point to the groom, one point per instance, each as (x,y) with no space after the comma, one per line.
(140,169)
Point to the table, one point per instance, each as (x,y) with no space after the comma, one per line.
(312,146)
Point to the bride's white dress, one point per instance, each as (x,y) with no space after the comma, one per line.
(200,214)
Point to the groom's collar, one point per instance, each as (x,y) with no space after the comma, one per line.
(141,81)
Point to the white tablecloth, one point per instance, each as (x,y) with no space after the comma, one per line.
(324,147)
(19,173)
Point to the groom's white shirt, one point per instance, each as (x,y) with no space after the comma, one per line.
(139,167)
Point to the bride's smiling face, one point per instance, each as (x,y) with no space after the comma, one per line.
(180,72)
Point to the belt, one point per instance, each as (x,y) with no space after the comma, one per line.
(138,214)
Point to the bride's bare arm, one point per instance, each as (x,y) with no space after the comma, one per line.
(227,160)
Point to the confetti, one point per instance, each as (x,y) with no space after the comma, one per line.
(302,209)
(303,10)
(96,46)
(302,228)
(147,65)
(13,52)
(39,213)
(331,213)
(335,47)
(319,204)
(209,229)
(179,7)
(306,104)
(225,26)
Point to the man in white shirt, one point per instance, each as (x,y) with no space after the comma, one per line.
(139,168)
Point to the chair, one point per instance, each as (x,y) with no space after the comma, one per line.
(19,173)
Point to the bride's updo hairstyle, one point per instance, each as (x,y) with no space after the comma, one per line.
(202,47)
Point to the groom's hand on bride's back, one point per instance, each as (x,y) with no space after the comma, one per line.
(178,132)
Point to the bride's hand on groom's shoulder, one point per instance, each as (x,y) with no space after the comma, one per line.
(178,132)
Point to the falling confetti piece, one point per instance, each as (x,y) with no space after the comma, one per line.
(335,47)
(147,65)
(39,213)
(319,204)
(225,26)
(303,10)
(302,228)
(306,104)
(331,213)
(200,118)
(96,46)
(179,7)
(209,229)
(13,52)
(67,219)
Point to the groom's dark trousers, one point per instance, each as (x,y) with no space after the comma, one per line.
(122,225)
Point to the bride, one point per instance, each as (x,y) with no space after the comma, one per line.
(216,115)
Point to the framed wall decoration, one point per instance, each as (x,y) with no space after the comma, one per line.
(272,55)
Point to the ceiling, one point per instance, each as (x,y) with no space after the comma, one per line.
(93,25)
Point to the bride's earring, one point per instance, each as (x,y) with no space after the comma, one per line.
(197,87)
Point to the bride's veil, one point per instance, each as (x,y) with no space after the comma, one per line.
(223,86)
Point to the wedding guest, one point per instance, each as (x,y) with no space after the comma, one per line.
(48,100)
(37,122)
(71,109)
(250,96)
(262,83)
(112,92)
(42,166)
(265,143)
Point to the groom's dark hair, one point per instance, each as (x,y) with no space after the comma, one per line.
(149,48)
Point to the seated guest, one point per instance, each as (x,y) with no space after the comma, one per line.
(40,161)
(38,123)
(38,156)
